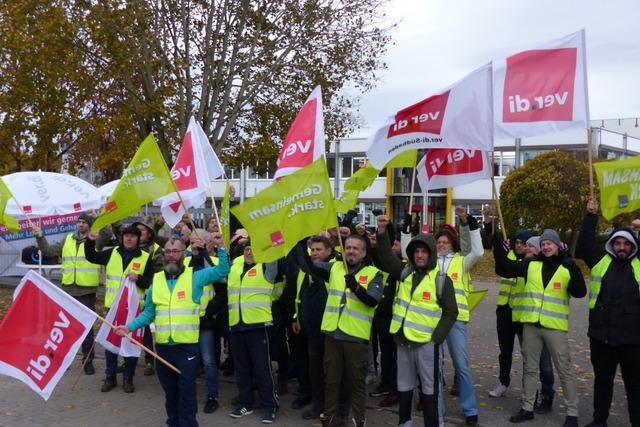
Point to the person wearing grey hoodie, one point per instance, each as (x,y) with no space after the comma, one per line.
(614,314)
(424,310)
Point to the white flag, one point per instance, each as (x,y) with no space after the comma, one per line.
(450,167)
(125,308)
(458,117)
(304,142)
(542,90)
(195,167)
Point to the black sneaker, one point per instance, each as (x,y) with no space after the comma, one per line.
(311,415)
(381,390)
(300,402)
(595,423)
(269,415)
(210,405)
(454,390)
(149,370)
(544,405)
(570,421)
(471,420)
(89,369)
(521,416)
(241,412)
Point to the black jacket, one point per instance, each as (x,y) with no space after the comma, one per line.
(615,320)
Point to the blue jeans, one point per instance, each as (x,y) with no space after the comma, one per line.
(207,353)
(457,344)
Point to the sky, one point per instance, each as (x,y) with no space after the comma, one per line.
(437,42)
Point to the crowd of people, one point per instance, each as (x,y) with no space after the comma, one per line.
(344,299)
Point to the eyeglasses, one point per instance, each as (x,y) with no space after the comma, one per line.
(173,251)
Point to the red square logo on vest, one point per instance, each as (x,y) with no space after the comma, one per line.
(454,275)
(557,286)
(363,279)
(135,266)
(251,272)
(426,296)
(538,86)
(181,295)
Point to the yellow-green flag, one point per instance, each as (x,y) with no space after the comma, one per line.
(225,220)
(347,200)
(363,178)
(145,179)
(5,219)
(474,298)
(619,183)
(406,159)
(290,209)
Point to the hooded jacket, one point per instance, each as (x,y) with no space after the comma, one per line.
(615,319)
(399,271)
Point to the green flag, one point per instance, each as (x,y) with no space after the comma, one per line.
(619,183)
(290,209)
(5,219)
(362,179)
(225,221)
(406,159)
(145,179)
(348,200)
(474,298)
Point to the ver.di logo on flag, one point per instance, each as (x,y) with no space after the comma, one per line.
(277,238)
(424,116)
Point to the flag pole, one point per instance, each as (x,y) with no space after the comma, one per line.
(493,191)
(344,260)
(590,155)
(496,199)
(134,342)
(184,206)
(213,205)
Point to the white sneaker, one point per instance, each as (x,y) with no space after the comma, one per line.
(499,391)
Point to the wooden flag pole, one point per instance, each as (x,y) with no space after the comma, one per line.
(344,260)
(151,352)
(497,201)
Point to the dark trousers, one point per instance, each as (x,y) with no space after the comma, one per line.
(507,332)
(181,402)
(315,347)
(300,354)
(88,301)
(605,360)
(388,356)
(278,345)
(345,358)
(111,360)
(252,364)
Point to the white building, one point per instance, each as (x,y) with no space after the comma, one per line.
(611,138)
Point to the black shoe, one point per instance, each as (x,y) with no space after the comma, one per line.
(454,390)
(382,390)
(310,415)
(472,420)
(544,405)
(109,384)
(149,370)
(521,416)
(300,402)
(210,405)
(89,369)
(127,385)
(570,421)
(595,423)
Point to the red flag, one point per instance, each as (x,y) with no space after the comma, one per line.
(304,142)
(123,310)
(41,333)
(457,117)
(195,167)
(542,90)
(450,167)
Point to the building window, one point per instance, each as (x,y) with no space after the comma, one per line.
(347,167)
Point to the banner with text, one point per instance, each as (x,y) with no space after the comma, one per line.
(290,209)
(542,90)
(41,333)
(619,184)
(458,117)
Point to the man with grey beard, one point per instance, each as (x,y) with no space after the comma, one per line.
(173,302)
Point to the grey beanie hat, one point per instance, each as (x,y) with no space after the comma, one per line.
(86,218)
(552,235)
(535,242)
